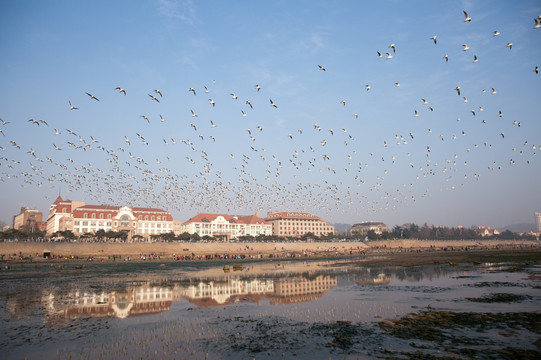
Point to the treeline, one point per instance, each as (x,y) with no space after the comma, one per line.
(426,232)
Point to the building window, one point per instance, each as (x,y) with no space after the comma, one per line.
(101,216)
(85,216)
(64,210)
(125,220)
(140,217)
(152,218)
(93,216)
(109,216)
(146,217)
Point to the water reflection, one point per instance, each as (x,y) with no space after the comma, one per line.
(207,287)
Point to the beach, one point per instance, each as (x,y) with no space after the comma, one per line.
(104,251)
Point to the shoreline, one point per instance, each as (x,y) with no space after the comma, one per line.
(96,251)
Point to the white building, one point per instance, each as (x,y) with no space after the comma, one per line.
(226,227)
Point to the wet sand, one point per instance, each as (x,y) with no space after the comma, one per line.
(24,251)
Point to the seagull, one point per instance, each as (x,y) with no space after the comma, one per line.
(537,23)
(4,122)
(493,91)
(257,87)
(367,87)
(93,97)
(120,90)
(273,104)
(145,117)
(379,54)
(509,45)
(475,58)
(465,47)
(424,101)
(212,102)
(243,113)
(446,57)
(193,113)
(233,96)
(397,84)
(467,18)
(72,107)
(56,147)
(192,90)
(536,70)
(434,39)
(343,102)
(392,46)
(249,104)
(496,33)
(458,90)
(389,56)
(154,98)
(158,92)
(212,125)
(162,119)
(322,68)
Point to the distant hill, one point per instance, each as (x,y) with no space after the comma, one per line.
(341,228)
(518,227)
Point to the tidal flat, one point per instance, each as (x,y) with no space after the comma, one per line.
(310,309)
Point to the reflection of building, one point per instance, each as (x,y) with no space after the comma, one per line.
(300,289)
(80,219)
(225,227)
(29,220)
(538,220)
(141,300)
(297,224)
(365,227)
(210,293)
(380,279)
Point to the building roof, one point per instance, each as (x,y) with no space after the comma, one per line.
(116,208)
(238,219)
(370,223)
(273,215)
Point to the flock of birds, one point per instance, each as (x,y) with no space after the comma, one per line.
(332,175)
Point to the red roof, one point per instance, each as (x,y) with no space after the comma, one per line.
(239,219)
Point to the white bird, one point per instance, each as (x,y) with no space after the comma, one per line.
(233,96)
(389,56)
(467,18)
(257,87)
(273,104)
(162,119)
(120,90)
(212,102)
(496,33)
(475,58)
(192,90)
(73,107)
(458,90)
(152,97)
(392,46)
(146,118)
(158,92)
(93,97)
(465,47)
(193,113)
(367,87)
(322,68)
(446,57)
(434,39)
(509,45)
(343,102)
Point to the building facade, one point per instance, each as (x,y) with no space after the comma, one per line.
(80,219)
(226,227)
(29,219)
(538,220)
(295,224)
(365,227)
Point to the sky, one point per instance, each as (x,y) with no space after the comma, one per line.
(353,136)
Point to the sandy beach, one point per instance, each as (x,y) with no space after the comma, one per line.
(13,251)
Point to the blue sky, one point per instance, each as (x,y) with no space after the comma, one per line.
(370,159)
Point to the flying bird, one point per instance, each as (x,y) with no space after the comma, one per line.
(93,97)
(152,97)
(120,90)
(509,45)
(467,18)
(273,104)
(158,92)
(322,68)
(192,90)
(434,39)
(73,107)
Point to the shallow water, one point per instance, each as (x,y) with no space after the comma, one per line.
(270,310)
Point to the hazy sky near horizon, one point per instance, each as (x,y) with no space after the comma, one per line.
(354,142)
